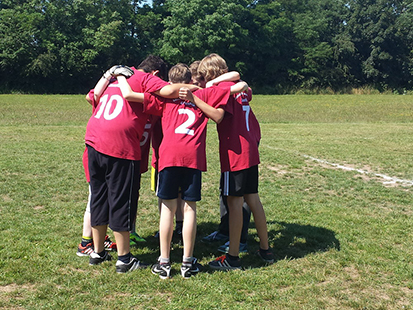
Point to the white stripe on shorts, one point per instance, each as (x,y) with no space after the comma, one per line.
(225,183)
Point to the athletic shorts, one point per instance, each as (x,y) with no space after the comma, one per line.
(114,185)
(239,183)
(175,180)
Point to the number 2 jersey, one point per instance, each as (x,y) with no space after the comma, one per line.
(239,133)
(184,128)
(117,125)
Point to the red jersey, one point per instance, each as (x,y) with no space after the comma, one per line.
(85,160)
(239,133)
(184,129)
(145,143)
(117,125)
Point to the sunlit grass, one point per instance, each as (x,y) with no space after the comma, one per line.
(342,239)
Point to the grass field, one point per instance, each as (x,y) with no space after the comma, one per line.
(335,181)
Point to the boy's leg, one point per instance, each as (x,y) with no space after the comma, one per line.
(246,218)
(166,225)
(99,233)
(87,227)
(179,216)
(189,228)
(122,242)
(235,223)
(254,202)
(223,227)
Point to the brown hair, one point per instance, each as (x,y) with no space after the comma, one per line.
(197,78)
(212,66)
(179,73)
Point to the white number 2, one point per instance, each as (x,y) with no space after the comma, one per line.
(107,105)
(184,128)
(247,109)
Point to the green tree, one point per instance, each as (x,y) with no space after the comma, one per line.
(382,33)
(196,28)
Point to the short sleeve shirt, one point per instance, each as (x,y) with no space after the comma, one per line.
(184,129)
(117,125)
(239,133)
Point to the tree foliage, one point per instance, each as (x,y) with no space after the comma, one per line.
(62,46)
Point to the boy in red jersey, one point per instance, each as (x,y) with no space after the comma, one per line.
(112,137)
(182,158)
(239,156)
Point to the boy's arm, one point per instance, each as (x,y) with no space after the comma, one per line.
(101,86)
(103,83)
(127,91)
(215,114)
(88,99)
(239,87)
(172,90)
(226,77)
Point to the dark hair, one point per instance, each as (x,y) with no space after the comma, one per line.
(154,63)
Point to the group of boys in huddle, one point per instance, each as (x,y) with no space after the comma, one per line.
(127,104)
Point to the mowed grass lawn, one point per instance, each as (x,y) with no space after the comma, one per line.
(335,182)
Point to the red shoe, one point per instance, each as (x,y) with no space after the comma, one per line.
(109,245)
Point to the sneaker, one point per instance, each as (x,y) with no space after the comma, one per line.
(162,270)
(109,245)
(189,270)
(267,256)
(84,250)
(133,264)
(215,236)
(243,247)
(223,263)
(96,259)
(135,238)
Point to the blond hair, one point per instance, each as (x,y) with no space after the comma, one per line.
(212,66)
(179,73)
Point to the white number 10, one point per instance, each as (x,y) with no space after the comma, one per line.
(107,105)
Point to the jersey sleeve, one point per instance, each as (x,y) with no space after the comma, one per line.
(214,96)
(152,104)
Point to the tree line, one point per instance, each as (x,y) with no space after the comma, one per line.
(63,46)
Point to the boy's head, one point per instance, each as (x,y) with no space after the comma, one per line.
(212,66)
(154,65)
(179,73)
(197,79)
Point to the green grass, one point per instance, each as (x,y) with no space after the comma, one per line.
(342,238)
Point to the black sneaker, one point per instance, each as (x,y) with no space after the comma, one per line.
(96,259)
(189,270)
(224,263)
(266,255)
(133,264)
(162,270)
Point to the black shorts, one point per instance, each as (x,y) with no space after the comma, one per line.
(239,183)
(114,185)
(175,180)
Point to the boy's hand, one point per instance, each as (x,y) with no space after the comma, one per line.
(186,94)
(118,70)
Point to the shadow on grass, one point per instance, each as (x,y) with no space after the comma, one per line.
(289,241)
